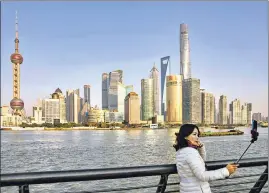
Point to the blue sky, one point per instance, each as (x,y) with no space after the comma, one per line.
(69,44)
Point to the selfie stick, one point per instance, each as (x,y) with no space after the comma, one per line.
(254,135)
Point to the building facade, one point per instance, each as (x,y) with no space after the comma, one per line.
(132,108)
(165,62)
(235,112)
(52,110)
(154,74)
(105,87)
(72,106)
(207,108)
(87,94)
(191,101)
(37,115)
(185,64)
(223,110)
(249,113)
(174,99)
(147,99)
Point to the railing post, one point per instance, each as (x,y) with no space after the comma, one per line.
(261,181)
(24,189)
(162,184)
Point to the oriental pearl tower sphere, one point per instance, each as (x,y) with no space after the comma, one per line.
(16,58)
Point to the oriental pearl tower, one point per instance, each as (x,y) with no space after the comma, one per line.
(16,58)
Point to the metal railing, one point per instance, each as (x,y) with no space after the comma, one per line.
(23,180)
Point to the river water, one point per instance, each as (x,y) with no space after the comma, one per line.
(31,151)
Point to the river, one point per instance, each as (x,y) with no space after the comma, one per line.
(31,151)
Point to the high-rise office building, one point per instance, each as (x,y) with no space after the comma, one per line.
(185,64)
(37,114)
(191,101)
(132,108)
(249,113)
(72,105)
(154,74)
(174,98)
(105,87)
(87,94)
(121,94)
(115,77)
(244,114)
(58,94)
(147,99)
(223,110)
(235,112)
(165,62)
(52,110)
(207,108)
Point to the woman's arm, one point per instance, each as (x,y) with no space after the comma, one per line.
(198,168)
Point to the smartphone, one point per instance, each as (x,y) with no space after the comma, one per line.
(254,133)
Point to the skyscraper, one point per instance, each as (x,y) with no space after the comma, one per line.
(185,64)
(191,101)
(87,94)
(174,98)
(132,108)
(235,111)
(223,110)
(154,74)
(249,113)
(165,61)
(115,78)
(147,99)
(105,87)
(72,105)
(244,114)
(208,108)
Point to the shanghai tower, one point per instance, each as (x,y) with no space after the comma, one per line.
(185,64)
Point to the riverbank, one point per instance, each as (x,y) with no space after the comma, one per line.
(205,132)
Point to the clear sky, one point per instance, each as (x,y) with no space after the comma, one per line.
(69,44)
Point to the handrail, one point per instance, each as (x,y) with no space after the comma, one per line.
(19,179)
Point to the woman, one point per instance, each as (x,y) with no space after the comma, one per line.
(190,157)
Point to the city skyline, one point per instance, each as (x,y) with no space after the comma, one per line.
(204,54)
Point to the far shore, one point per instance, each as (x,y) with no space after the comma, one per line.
(202,129)
(205,131)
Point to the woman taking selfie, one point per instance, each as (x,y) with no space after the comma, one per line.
(190,158)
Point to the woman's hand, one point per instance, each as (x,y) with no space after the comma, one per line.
(232,168)
(197,143)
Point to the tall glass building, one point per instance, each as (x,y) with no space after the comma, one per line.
(174,98)
(146,99)
(165,61)
(223,110)
(87,94)
(185,64)
(105,87)
(154,74)
(191,101)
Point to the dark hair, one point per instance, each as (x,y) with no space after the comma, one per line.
(184,131)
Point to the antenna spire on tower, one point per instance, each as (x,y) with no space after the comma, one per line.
(16,25)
